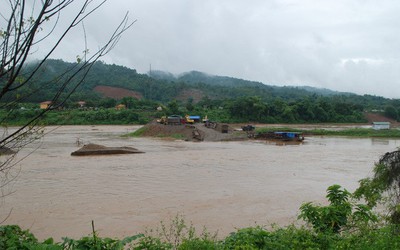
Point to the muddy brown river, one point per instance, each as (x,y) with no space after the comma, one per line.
(219,185)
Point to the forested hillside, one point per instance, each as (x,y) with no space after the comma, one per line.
(231,99)
(164,87)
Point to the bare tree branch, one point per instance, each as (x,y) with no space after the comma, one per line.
(28,24)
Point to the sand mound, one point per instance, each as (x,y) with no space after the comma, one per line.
(95,149)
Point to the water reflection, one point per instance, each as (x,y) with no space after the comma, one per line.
(380,141)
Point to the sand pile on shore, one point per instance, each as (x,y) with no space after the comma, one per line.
(95,149)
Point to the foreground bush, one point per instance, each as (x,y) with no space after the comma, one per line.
(281,238)
(388,237)
(12,237)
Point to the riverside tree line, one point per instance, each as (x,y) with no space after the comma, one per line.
(307,109)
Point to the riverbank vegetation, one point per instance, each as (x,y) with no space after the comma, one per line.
(242,110)
(348,221)
(79,117)
(257,237)
(144,114)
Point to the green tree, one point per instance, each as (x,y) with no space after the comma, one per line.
(205,102)
(129,102)
(288,114)
(384,186)
(320,114)
(189,104)
(173,107)
(107,103)
(248,108)
(391,112)
(335,216)
(304,110)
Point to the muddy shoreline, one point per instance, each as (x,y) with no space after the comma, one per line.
(233,132)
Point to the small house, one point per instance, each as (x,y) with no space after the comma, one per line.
(120,107)
(81,104)
(380,125)
(46,104)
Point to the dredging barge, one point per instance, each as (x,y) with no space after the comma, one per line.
(281,136)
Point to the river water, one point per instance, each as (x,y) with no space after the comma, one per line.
(219,185)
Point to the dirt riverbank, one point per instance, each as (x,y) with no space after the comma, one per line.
(234,132)
(194,132)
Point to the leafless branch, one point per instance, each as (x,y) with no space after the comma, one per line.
(24,23)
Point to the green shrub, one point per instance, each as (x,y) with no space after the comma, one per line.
(335,216)
(12,237)
(94,242)
(247,238)
(280,238)
(198,244)
(382,238)
(177,235)
(151,243)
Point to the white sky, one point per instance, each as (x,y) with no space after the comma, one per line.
(344,45)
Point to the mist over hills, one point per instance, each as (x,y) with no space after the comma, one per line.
(193,77)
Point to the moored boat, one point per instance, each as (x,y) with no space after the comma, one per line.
(284,136)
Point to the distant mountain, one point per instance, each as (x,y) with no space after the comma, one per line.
(196,77)
(323,91)
(200,77)
(162,75)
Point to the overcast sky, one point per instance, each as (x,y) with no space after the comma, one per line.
(344,45)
